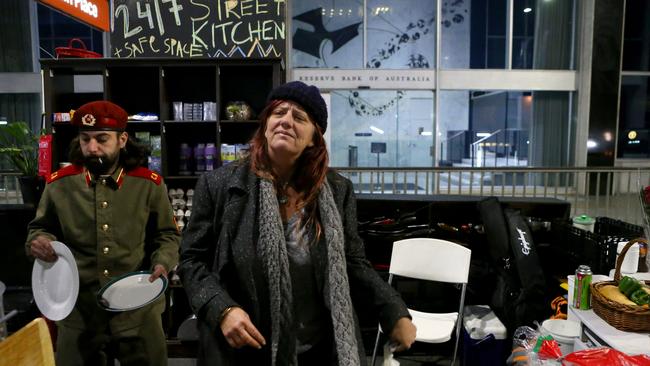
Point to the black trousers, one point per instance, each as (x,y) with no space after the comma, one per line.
(322,354)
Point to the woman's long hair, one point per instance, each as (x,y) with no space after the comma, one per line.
(310,169)
(133,155)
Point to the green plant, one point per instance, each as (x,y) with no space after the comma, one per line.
(20,146)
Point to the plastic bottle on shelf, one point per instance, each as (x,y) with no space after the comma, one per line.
(210,152)
(199,156)
(184,159)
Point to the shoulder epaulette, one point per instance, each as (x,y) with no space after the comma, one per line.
(145,173)
(64,172)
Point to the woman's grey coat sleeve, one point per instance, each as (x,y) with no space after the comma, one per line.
(201,250)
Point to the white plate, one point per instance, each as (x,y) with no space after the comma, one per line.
(56,284)
(131,291)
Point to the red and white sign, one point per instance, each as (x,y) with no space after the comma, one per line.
(91,12)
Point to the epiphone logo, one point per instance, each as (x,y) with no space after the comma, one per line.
(84,5)
(525,245)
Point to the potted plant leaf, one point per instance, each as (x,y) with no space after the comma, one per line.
(20,145)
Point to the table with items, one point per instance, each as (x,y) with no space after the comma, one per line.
(595,332)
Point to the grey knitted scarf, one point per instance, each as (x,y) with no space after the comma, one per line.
(273,251)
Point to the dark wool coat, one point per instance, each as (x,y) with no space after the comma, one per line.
(219,266)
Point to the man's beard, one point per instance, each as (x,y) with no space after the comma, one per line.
(100,165)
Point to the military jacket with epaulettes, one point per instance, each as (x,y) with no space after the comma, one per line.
(104,221)
(107,221)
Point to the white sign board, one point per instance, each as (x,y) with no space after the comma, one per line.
(367,79)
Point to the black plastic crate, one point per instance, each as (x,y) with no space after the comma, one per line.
(597,249)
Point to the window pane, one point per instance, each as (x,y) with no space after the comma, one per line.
(496,55)
(401,34)
(56,30)
(23,107)
(488,35)
(381,128)
(542,34)
(634,121)
(474,34)
(636,45)
(522,52)
(327,34)
(504,128)
(15,42)
(455,34)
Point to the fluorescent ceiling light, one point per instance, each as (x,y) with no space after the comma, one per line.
(591,144)
(426,133)
(3,122)
(482,134)
(378,130)
(527,10)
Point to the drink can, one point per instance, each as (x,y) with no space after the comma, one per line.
(581,290)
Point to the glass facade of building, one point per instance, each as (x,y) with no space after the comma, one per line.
(500,126)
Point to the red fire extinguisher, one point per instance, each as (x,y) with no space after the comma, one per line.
(44,151)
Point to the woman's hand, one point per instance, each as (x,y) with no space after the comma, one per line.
(239,331)
(403,334)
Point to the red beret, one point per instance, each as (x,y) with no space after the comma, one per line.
(100,115)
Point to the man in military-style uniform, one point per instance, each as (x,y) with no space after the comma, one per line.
(104,207)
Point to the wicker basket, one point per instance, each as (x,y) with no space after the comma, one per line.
(624,317)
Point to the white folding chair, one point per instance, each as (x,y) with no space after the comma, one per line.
(432,260)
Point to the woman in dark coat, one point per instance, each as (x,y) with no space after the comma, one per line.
(271,259)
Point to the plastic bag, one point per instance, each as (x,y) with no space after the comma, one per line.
(604,357)
(534,348)
(547,348)
(531,348)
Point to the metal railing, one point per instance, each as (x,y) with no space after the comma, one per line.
(499,148)
(452,148)
(612,192)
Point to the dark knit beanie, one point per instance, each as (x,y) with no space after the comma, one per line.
(307,96)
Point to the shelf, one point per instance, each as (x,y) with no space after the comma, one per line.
(153,85)
(137,122)
(245,122)
(189,121)
(129,123)
(183,177)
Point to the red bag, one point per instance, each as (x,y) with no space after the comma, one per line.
(75,52)
(45,155)
(604,357)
